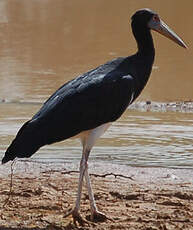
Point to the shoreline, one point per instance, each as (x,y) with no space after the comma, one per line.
(141,174)
(153,106)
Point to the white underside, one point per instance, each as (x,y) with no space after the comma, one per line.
(89,137)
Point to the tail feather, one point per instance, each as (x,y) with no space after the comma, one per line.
(25,144)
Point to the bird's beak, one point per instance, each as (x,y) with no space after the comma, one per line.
(162,28)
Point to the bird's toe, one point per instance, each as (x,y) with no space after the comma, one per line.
(97,216)
(77,218)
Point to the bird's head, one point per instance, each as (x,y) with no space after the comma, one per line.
(148,19)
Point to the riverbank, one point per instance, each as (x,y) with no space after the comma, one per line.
(135,198)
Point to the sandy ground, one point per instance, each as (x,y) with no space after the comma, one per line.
(134,198)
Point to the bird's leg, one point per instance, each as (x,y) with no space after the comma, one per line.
(95,214)
(87,139)
(83,164)
(88,142)
(75,212)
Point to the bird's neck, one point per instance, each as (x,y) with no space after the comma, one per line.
(144,57)
(144,42)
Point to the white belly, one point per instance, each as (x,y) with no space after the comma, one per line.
(89,137)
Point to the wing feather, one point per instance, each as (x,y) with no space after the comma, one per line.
(95,98)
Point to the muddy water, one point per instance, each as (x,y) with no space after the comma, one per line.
(46,43)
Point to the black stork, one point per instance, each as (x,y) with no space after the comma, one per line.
(86,106)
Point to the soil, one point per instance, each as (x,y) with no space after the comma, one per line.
(133,198)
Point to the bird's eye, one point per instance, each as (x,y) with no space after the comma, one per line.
(156,18)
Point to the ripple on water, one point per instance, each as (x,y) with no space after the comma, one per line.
(160,139)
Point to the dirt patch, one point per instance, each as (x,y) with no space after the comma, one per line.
(40,202)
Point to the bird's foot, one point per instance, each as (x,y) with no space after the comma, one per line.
(76,217)
(97,216)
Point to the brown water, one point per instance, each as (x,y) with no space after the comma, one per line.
(46,43)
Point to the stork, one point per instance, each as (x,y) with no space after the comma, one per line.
(87,105)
